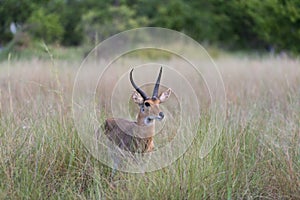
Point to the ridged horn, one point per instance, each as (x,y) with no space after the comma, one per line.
(140,91)
(155,90)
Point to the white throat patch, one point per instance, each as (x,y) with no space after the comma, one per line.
(149,121)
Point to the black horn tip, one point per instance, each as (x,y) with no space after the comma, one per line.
(160,72)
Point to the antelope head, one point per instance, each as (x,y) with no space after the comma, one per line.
(149,106)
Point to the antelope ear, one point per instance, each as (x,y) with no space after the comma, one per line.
(165,95)
(137,98)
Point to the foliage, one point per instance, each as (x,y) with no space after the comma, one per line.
(249,24)
(98,25)
(277,22)
(45,26)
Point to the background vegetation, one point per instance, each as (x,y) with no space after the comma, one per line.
(272,25)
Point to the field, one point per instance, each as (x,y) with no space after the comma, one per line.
(256,157)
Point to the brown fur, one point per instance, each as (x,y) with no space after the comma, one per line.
(121,132)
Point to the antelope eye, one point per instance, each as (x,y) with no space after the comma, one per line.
(147,104)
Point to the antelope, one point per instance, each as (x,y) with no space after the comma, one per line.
(137,136)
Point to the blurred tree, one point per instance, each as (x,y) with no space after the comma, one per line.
(207,22)
(46,26)
(70,16)
(277,22)
(100,24)
(172,15)
(251,24)
(239,31)
(14,11)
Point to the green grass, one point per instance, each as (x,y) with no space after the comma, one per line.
(257,155)
(36,49)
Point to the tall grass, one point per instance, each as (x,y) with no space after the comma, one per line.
(257,155)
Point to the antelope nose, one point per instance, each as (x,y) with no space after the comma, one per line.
(161,114)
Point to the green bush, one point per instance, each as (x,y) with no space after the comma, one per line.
(45,26)
(277,23)
(100,24)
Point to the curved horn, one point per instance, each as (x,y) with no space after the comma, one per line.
(155,90)
(142,93)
